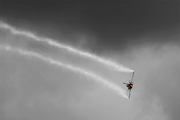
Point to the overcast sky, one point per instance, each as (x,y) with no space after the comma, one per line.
(142,35)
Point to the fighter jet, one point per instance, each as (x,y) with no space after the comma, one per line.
(130,85)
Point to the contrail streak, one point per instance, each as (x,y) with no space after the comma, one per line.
(89,74)
(51,42)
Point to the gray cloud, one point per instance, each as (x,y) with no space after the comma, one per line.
(157,79)
(31,89)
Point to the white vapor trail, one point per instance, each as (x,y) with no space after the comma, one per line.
(51,42)
(89,74)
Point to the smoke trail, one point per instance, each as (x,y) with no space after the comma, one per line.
(51,42)
(95,77)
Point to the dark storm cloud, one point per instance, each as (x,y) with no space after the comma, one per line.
(112,24)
